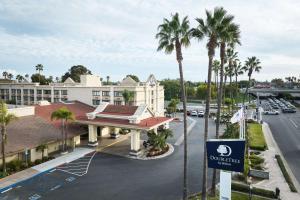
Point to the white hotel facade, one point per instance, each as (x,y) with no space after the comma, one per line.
(89,91)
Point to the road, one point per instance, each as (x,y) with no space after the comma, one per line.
(114,177)
(286,131)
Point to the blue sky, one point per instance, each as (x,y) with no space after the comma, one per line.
(116,37)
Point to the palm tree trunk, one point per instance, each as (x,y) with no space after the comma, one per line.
(246,92)
(231,92)
(236,87)
(224,89)
(66,135)
(219,103)
(179,60)
(208,96)
(63,134)
(3,151)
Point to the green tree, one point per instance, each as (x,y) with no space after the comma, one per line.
(231,56)
(65,115)
(37,78)
(134,77)
(212,28)
(107,80)
(127,96)
(237,70)
(5,74)
(5,119)
(39,68)
(74,73)
(252,64)
(175,34)
(10,76)
(201,91)
(172,106)
(172,88)
(278,82)
(20,78)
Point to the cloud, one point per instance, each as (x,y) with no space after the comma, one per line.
(117,37)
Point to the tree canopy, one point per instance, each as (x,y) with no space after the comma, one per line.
(134,77)
(75,72)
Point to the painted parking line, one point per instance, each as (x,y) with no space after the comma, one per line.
(189,128)
(55,187)
(70,179)
(34,197)
(78,167)
(294,123)
(8,189)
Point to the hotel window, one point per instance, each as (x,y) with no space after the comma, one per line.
(118,103)
(18,91)
(39,91)
(25,91)
(56,100)
(26,98)
(152,92)
(2,91)
(31,99)
(13,91)
(64,92)
(31,91)
(117,94)
(13,98)
(105,93)
(18,98)
(56,92)
(105,101)
(64,99)
(39,98)
(96,93)
(47,91)
(96,102)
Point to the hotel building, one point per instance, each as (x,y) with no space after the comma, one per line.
(89,91)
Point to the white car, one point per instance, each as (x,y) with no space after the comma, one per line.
(194,113)
(201,114)
(271,112)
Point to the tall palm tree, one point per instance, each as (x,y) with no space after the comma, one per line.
(211,29)
(10,76)
(39,68)
(252,64)
(229,36)
(173,35)
(231,56)
(27,76)
(5,74)
(20,78)
(107,79)
(216,68)
(237,70)
(5,119)
(127,96)
(65,115)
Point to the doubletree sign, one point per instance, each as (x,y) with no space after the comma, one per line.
(226,154)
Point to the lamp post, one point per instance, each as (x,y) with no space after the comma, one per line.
(250,191)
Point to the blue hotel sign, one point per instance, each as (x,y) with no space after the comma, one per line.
(226,154)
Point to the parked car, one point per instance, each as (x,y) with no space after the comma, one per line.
(194,113)
(114,135)
(271,112)
(188,112)
(288,110)
(201,114)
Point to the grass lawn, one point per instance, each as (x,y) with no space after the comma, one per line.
(256,137)
(234,196)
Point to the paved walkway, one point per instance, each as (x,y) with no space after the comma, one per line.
(276,177)
(9,181)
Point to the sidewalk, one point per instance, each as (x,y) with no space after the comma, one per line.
(12,180)
(276,177)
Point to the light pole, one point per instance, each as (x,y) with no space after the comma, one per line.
(250,191)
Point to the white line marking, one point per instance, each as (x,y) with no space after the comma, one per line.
(6,190)
(181,138)
(55,187)
(52,170)
(294,123)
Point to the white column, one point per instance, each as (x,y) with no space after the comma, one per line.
(22,96)
(225,185)
(52,94)
(112,95)
(135,143)
(92,135)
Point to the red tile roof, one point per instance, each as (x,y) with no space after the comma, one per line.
(119,110)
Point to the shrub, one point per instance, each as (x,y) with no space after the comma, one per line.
(285,174)
(14,166)
(258,191)
(38,161)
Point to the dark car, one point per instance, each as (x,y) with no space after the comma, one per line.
(288,110)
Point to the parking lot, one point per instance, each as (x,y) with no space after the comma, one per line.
(106,176)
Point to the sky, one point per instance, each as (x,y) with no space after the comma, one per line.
(115,38)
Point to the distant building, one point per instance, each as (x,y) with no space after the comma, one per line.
(89,91)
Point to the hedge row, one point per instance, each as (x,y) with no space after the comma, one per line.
(285,173)
(257,191)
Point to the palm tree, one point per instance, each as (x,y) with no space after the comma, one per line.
(127,96)
(27,76)
(39,68)
(42,147)
(5,74)
(228,35)
(173,35)
(65,115)
(10,76)
(231,56)
(5,119)
(20,78)
(210,28)
(216,68)
(251,65)
(237,70)
(107,79)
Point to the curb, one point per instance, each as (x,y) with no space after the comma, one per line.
(295,181)
(171,150)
